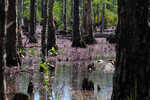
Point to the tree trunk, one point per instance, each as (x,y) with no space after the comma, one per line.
(44,31)
(131,81)
(94,20)
(19,38)
(20,24)
(87,22)
(11,34)
(76,38)
(98,14)
(65,15)
(43,8)
(2,41)
(32,38)
(103,18)
(72,12)
(51,41)
(20,12)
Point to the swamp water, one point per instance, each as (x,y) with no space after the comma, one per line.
(65,83)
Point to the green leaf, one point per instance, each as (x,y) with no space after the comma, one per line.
(31,51)
(21,50)
(46,81)
(26,2)
(45,67)
(53,51)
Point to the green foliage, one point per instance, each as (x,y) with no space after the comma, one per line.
(46,81)
(26,13)
(38,16)
(53,51)
(20,50)
(26,2)
(45,67)
(31,51)
(39,11)
(111,18)
(110,14)
(57,11)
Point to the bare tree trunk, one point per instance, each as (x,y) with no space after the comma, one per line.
(94,19)
(51,41)
(102,17)
(32,38)
(11,34)
(19,38)
(43,7)
(133,52)
(76,38)
(20,23)
(87,23)
(65,15)
(44,30)
(98,14)
(20,12)
(72,11)
(3,5)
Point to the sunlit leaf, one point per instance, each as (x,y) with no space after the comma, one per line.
(52,77)
(31,51)
(45,67)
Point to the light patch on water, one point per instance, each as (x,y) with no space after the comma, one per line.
(37,95)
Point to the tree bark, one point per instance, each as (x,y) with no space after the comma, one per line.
(51,39)
(32,38)
(103,18)
(72,4)
(65,15)
(11,34)
(133,52)
(87,22)
(20,12)
(43,8)
(76,38)
(20,24)
(98,22)
(94,20)
(44,31)
(2,46)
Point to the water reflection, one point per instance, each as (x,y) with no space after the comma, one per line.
(37,95)
(66,84)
